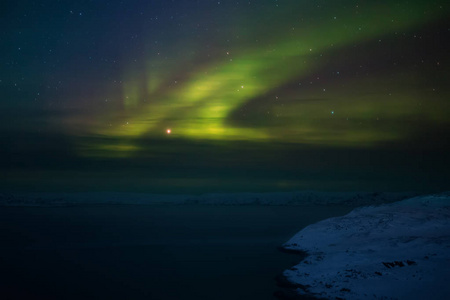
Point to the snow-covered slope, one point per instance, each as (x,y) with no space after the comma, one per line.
(395,251)
(286,198)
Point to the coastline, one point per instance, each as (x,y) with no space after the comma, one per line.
(140,214)
(361,254)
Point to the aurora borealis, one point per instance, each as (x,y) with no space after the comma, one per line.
(183,95)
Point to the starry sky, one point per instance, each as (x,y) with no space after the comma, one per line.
(200,96)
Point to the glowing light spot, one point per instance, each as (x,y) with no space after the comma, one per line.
(168,131)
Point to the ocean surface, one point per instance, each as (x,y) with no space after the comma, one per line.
(149,251)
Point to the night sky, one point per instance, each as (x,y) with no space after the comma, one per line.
(193,96)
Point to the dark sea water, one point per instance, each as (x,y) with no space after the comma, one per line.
(148,252)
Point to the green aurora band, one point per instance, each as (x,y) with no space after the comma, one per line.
(204,102)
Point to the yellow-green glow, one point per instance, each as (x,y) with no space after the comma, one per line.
(200,104)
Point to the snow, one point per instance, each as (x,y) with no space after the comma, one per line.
(399,249)
(393,251)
